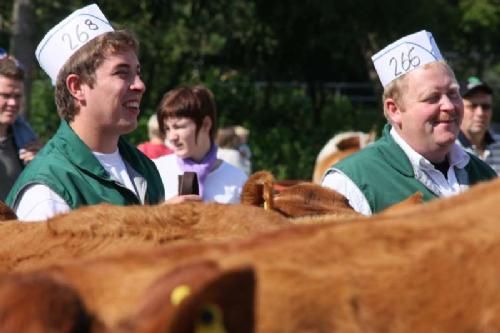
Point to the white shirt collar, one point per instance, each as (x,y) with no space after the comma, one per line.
(457,157)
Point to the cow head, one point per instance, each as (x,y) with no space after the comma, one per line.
(339,147)
(292,198)
(197,298)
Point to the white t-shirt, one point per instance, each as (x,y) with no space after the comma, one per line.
(114,165)
(424,171)
(37,202)
(222,185)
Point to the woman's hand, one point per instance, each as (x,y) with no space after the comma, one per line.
(183,198)
(29,151)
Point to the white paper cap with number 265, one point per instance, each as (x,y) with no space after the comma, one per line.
(68,36)
(405,55)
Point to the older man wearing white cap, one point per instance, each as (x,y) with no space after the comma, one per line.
(417,151)
(98,91)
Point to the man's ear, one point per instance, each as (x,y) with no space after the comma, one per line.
(393,111)
(75,87)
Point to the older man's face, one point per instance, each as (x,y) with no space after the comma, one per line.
(431,111)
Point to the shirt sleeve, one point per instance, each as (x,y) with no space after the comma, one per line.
(339,182)
(38,203)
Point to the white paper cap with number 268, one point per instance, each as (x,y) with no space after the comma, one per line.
(404,55)
(68,36)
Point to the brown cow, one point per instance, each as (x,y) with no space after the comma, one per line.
(296,200)
(103,229)
(304,199)
(339,147)
(308,199)
(433,268)
(196,298)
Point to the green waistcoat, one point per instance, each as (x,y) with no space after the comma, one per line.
(67,166)
(384,174)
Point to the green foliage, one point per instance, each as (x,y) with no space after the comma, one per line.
(284,137)
(480,14)
(44,117)
(268,62)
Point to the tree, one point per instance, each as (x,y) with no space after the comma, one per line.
(22,44)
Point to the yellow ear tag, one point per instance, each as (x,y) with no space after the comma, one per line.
(179,293)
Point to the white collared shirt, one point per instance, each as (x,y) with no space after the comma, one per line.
(424,170)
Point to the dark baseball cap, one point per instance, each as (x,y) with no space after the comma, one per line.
(472,85)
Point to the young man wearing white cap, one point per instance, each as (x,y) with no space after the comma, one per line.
(98,91)
(417,151)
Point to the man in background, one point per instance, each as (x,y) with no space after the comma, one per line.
(155,147)
(475,134)
(18,142)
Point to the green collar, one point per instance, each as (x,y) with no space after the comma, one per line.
(78,152)
(394,152)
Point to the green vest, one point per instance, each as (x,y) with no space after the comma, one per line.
(67,166)
(384,174)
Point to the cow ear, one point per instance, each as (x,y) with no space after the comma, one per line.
(197,298)
(225,304)
(306,199)
(258,190)
(353,141)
